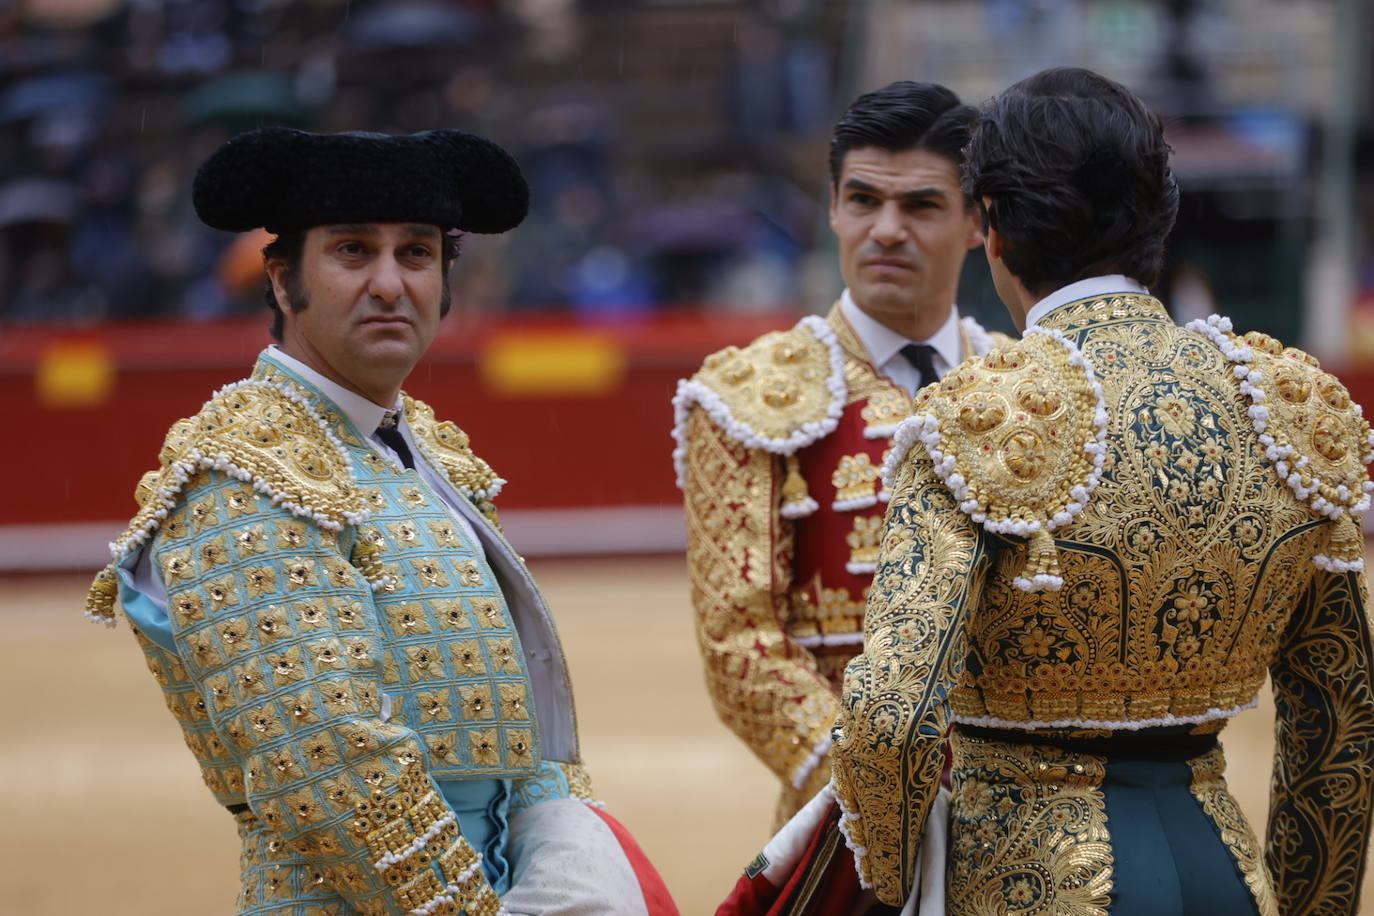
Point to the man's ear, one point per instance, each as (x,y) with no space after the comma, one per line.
(994,243)
(834,203)
(277,272)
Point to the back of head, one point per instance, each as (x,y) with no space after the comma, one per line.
(901,116)
(1074,172)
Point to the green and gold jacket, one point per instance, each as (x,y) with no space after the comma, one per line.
(1118,523)
(337,643)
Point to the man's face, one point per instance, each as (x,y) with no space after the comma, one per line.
(903,229)
(373,294)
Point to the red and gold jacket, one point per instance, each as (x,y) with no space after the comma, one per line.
(780,447)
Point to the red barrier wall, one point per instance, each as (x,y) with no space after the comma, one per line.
(572,414)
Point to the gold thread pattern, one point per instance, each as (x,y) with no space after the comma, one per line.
(1188,577)
(764,686)
(1028,831)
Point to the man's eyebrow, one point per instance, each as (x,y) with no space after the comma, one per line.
(423,230)
(926,193)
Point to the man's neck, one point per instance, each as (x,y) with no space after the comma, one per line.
(382,393)
(921,324)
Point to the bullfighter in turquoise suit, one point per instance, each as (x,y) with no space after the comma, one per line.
(359,661)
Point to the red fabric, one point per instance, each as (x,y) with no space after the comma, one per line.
(839,884)
(657,900)
(822,548)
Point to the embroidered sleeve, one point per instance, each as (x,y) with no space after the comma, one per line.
(1320,804)
(277,629)
(889,740)
(765,687)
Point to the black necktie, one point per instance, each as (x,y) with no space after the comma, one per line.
(392,438)
(922,357)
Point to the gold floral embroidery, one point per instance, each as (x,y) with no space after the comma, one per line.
(467,658)
(434,706)
(450,614)
(431,575)
(518,748)
(403,532)
(286,667)
(482,745)
(468,573)
(261,580)
(272,624)
(187,608)
(476,703)
(251,541)
(502,654)
(310,614)
(863,540)
(488,612)
(1028,831)
(300,574)
(442,748)
(444,534)
(292,535)
(407,619)
(213,553)
(513,701)
(423,663)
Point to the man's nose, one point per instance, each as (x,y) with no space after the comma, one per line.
(384,282)
(888,228)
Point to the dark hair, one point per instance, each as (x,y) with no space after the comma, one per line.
(288,247)
(1075,174)
(902,116)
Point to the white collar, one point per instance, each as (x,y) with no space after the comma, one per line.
(362,413)
(1082,289)
(883,343)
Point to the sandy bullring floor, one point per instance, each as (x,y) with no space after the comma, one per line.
(105,811)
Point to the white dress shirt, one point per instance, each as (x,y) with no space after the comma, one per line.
(1083,289)
(884,345)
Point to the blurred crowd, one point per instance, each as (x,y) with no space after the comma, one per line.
(668,166)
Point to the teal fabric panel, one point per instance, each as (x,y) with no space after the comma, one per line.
(146,614)
(483,810)
(1169,857)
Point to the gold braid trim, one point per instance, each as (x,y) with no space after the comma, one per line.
(447,447)
(1209,788)
(1018,438)
(1313,434)
(262,432)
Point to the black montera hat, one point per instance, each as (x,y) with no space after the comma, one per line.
(284,180)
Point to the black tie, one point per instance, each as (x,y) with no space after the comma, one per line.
(922,357)
(392,438)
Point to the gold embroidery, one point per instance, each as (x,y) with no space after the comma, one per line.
(854,481)
(863,542)
(776,385)
(886,406)
(764,688)
(1209,788)
(1028,831)
(448,448)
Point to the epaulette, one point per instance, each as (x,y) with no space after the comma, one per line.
(1018,436)
(1314,435)
(261,432)
(781,393)
(448,449)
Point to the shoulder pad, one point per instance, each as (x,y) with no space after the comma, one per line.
(261,433)
(780,393)
(447,448)
(1018,436)
(1315,436)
